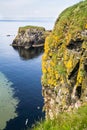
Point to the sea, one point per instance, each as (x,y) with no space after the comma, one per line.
(21,100)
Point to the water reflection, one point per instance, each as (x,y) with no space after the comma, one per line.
(30,53)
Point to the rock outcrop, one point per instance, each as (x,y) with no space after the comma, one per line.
(30,36)
(64,63)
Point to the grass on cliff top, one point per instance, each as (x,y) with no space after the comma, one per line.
(23,29)
(72,20)
(66,121)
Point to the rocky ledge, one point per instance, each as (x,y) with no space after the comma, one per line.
(30,36)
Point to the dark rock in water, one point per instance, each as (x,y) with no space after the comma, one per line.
(8,35)
(29,36)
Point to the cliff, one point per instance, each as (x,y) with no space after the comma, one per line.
(64,63)
(30,36)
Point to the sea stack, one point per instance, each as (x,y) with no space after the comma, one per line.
(30,36)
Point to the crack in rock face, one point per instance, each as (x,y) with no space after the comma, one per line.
(64,63)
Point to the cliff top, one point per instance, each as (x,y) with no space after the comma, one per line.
(23,29)
(72,21)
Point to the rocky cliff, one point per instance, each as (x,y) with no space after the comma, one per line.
(64,63)
(30,36)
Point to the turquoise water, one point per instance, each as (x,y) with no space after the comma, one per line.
(8,104)
(20,80)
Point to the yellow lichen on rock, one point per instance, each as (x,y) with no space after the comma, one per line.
(86,26)
(64,62)
(68,38)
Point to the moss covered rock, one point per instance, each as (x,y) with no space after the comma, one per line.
(64,63)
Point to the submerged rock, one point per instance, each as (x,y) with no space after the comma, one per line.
(8,103)
(30,36)
(64,63)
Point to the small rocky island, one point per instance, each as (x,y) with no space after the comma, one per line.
(30,36)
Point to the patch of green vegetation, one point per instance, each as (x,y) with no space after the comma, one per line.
(76,120)
(61,69)
(68,27)
(82,72)
(72,20)
(23,29)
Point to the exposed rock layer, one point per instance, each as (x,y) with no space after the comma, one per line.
(64,62)
(30,36)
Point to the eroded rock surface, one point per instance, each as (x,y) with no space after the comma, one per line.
(64,63)
(30,36)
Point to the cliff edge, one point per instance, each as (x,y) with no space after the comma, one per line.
(64,63)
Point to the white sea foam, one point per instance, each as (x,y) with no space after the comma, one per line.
(8,103)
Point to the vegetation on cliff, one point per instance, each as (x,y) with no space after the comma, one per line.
(64,67)
(23,29)
(67,31)
(76,120)
(64,63)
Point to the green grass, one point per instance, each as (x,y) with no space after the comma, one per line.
(72,20)
(23,29)
(60,68)
(76,120)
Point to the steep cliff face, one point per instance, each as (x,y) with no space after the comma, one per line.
(64,63)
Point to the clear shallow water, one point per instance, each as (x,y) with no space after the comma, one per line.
(20,86)
(8,104)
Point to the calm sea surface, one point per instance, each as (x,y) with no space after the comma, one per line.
(20,79)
